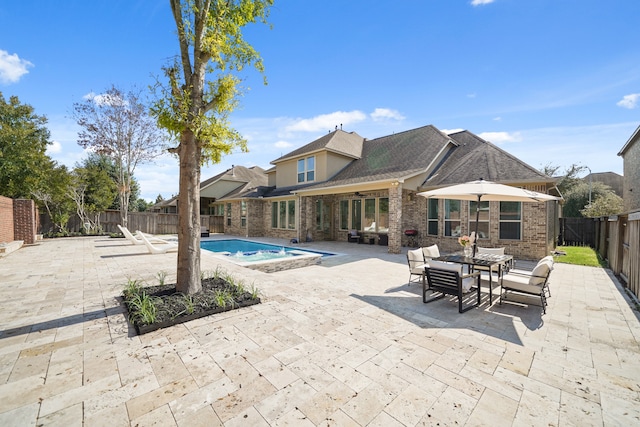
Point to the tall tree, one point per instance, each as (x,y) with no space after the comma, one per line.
(566,179)
(195,106)
(53,194)
(23,144)
(93,192)
(117,124)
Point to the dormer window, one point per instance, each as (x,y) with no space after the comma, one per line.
(307,169)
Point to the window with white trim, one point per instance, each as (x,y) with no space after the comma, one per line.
(283,214)
(452,218)
(511,220)
(483,221)
(432,217)
(307,169)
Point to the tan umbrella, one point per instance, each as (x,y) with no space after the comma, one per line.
(486,191)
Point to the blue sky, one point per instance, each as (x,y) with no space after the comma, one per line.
(549,81)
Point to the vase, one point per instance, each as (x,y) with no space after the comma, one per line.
(468,250)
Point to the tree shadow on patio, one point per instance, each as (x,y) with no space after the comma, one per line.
(504,321)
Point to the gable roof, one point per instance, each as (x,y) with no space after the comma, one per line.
(247,180)
(634,137)
(474,158)
(346,143)
(395,156)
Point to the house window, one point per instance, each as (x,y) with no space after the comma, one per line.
(307,169)
(323,216)
(243,213)
(283,214)
(356,214)
(291,214)
(229,214)
(274,214)
(344,214)
(452,218)
(432,217)
(483,221)
(370,215)
(374,216)
(218,210)
(282,220)
(383,215)
(511,220)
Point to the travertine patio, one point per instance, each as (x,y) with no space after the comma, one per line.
(344,343)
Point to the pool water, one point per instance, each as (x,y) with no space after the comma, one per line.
(248,248)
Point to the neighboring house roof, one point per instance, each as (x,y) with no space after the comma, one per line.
(242,179)
(395,156)
(635,137)
(612,179)
(474,158)
(346,143)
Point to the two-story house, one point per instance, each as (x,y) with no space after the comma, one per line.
(342,182)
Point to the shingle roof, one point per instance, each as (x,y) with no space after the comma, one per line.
(392,157)
(254,174)
(476,158)
(339,141)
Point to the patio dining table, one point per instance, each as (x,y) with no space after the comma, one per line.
(503,262)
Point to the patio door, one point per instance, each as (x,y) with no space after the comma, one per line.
(323,218)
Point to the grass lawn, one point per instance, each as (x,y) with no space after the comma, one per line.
(580,255)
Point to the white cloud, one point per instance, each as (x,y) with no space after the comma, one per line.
(480,2)
(283,144)
(497,119)
(629,101)
(326,122)
(105,99)
(12,67)
(54,148)
(450,131)
(386,113)
(471,95)
(501,137)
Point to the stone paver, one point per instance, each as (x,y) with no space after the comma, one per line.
(343,343)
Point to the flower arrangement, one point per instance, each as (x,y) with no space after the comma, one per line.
(464,241)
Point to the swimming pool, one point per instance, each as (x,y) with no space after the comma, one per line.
(262,256)
(234,246)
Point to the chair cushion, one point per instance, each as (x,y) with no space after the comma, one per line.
(431,251)
(415,255)
(493,251)
(520,283)
(542,269)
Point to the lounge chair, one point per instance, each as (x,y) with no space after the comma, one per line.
(415,259)
(448,279)
(354,236)
(534,283)
(167,247)
(135,241)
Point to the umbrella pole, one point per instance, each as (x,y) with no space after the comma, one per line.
(477,221)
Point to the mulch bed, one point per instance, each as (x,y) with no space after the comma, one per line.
(174,307)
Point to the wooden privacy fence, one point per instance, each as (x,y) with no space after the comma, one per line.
(619,243)
(577,232)
(147,222)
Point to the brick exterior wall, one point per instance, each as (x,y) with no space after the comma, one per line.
(19,220)
(25,218)
(6,220)
(407,211)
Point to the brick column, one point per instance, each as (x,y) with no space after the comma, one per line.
(24,217)
(395,218)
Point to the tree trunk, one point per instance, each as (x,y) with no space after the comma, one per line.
(188,277)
